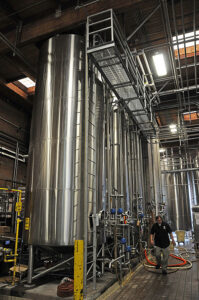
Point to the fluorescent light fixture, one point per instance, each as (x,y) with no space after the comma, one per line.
(186,39)
(160,65)
(173,130)
(161,150)
(27,82)
(172,126)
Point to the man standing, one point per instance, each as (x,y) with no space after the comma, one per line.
(161,230)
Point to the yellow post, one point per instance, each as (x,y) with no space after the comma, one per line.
(18,209)
(78,269)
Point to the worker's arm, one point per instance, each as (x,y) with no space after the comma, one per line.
(173,242)
(152,239)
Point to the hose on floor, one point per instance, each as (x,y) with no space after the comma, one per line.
(184,265)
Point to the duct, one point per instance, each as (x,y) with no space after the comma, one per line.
(55,150)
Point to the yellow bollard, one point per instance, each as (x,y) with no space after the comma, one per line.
(78,269)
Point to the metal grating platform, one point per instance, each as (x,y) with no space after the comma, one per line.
(109,51)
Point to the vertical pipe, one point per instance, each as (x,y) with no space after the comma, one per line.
(94,185)
(30,264)
(108,152)
(85,170)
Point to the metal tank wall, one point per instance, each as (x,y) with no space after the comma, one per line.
(115,149)
(176,191)
(54,143)
(155,172)
(195,176)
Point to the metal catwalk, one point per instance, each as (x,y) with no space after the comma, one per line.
(109,51)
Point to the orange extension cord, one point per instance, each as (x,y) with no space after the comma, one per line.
(172,255)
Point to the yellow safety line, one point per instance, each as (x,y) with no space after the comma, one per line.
(116,286)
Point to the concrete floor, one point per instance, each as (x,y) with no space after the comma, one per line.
(48,291)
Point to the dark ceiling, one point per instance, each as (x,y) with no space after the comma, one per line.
(25,24)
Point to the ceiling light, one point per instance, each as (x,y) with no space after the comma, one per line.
(173,130)
(161,150)
(27,82)
(172,126)
(160,65)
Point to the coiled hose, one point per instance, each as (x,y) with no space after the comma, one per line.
(179,266)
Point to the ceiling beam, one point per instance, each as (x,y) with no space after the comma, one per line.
(14,97)
(20,66)
(69,18)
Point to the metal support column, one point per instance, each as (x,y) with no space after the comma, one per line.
(85,171)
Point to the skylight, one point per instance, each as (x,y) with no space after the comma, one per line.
(188,40)
(27,82)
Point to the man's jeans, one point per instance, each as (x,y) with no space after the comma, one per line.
(165,252)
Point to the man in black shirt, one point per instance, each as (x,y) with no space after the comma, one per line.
(161,230)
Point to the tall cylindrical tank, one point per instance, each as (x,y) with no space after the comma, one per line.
(55,142)
(176,192)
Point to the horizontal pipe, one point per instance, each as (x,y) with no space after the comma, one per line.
(192,87)
(11,156)
(52,268)
(179,170)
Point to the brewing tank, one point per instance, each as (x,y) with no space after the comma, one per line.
(176,193)
(55,143)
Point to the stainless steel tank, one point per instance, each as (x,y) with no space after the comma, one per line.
(176,192)
(55,142)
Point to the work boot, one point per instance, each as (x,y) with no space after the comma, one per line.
(157,266)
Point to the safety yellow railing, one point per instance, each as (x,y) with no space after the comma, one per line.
(18,208)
